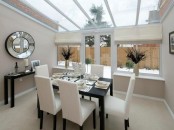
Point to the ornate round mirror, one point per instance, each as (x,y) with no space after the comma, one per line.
(20,44)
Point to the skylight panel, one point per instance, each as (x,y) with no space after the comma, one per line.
(70,9)
(51,13)
(148,7)
(102,20)
(123,11)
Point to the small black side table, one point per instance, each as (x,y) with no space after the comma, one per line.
(12,77)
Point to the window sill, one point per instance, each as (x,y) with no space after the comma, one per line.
(63,67)
(140,76)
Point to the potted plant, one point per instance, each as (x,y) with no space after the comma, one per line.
(66,53)
(88,61)
(135,55)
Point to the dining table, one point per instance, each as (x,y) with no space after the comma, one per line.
(95,92)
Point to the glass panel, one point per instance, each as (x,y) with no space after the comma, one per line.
(89,49)
(69,8)
(74,58)
(97,11)
(145,8)
(123,11)
(51,13)
(148,66)
(105,55)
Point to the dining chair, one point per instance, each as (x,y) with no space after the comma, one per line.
(74,108)
(118,107)
(49,102)
(97,70)
(42,70)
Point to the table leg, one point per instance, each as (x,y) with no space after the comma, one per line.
(111,89)
(5,91)
(102,113)
(12,93)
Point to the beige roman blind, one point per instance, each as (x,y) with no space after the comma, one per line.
(68,38)
(139,34)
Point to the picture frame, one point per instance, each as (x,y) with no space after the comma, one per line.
(171,42)
(35,63)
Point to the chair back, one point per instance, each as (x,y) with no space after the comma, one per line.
(97,70)
(45,94)
(70,101)
(129,95)
(42,70)
(79,67)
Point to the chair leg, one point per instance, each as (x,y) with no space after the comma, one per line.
(54,121)
(94,118)
(81,127)
(64,124)
(106,115)
(90,98)
(41,119)
(125,124)
(128,122)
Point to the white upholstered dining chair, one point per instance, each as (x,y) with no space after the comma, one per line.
(74,108)
(49,102)
(42,70)
(118,107)
(97,70)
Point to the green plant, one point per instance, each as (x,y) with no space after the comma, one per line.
(129,64)
(88,61)
(135,55)
(67,53)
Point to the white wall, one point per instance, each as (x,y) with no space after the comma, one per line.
(45,49)
(168,60)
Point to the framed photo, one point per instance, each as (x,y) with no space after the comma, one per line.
(171,42)
(35,63)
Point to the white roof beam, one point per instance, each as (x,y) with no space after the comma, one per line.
(53,6)
(84,12)
(138,11)
(110,13)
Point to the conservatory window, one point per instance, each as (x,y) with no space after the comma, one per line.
(150,65)
(74,58)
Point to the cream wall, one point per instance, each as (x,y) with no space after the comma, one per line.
(168,60)
(45,49)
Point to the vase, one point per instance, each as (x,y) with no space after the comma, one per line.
(136,69)
(66,63)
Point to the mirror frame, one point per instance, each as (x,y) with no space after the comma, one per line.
(19,34)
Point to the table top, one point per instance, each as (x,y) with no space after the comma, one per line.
(95,92)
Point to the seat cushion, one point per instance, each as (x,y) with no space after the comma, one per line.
(114,106)
(87,107)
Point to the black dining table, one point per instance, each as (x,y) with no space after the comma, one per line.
(96,93)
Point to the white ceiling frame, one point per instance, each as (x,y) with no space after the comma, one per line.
(110,13)
(53,6)
(26,3)
(138,11)
(84,12)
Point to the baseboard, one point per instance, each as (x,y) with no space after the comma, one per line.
(141,96)
(19,94)
(152,98)
(169,109)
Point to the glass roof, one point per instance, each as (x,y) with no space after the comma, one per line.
(74,15)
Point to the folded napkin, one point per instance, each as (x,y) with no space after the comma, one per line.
(102,84)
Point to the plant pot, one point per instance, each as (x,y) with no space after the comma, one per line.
(136,69)
(66,63)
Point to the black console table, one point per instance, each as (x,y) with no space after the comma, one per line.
(12,77)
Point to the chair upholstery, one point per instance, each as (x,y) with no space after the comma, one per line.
(42,70)
(49,102)
(74,108)
(97,70)
(116,106)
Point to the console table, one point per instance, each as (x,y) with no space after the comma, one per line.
(12,77)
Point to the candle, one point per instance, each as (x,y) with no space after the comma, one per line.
(26,62)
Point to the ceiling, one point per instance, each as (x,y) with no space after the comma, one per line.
(74,15)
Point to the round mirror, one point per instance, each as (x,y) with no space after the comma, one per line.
(20,44)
